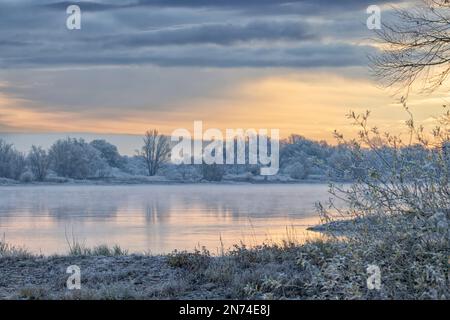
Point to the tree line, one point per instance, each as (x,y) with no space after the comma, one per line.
(300,159)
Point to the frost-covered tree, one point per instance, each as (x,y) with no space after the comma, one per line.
(39,162)
(312,155)
(155,151)
(340,163)
(74,158)
(109,152)
(12,162)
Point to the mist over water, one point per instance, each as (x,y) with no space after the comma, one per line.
(156,218)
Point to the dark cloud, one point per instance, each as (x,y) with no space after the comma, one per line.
(268,7)
(222,34)
(307,56)
(254,5)
(244,7)
(87,5)
(184,33)
(243,3)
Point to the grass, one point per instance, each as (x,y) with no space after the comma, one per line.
(77,249)
(191,261)
(8,250)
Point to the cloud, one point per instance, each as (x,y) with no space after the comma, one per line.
(269,6)
(309,55)
(174,33)
(215,33)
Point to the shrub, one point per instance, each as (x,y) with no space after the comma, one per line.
(191,261)
(298,171)
(402,206)
(212,172)
(26,177)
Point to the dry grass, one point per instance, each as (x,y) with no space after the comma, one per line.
(8,250)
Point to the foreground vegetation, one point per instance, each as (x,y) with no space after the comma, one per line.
(411,268)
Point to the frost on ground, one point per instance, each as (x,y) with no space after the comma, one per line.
(103,277)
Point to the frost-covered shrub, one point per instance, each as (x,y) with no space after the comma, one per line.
(26,177)
(12,162)
(401,204)
(135,166)
(181,172)
(51,178)
(212,172)
(406,178)
(298,171)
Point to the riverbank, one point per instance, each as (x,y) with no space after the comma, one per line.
(325,268)
(268,272)
(143,180)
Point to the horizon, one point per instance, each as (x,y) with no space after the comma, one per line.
(127,144)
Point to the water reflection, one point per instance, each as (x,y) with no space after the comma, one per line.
(155,218)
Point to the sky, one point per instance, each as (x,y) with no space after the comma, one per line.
(296,65)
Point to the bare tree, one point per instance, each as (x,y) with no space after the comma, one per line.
(39,162)
(415,47)
(155,151)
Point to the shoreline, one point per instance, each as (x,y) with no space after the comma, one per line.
(119,182)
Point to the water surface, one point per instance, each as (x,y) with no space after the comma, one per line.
(156,218)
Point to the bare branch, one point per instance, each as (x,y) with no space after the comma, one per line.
(416,47)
